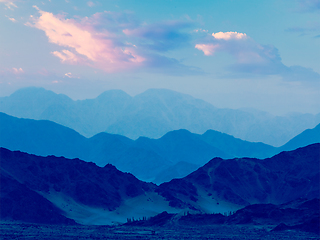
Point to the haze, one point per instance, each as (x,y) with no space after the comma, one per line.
(232,54)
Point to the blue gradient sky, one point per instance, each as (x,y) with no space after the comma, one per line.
(266,55)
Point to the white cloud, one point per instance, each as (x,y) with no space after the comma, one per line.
(229,35)
(254,58)
(70,75)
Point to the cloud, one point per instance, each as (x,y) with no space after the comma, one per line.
(208,49)
(90,4)
(163,36)
(11,71)
(253,58)
(11,19)
(17,70)
(309,5)
(70,75)
(68,57)
(106,40)
(9,4)
(87,46)
(229,35)
(310,28)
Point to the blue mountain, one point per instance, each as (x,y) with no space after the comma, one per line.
(152,114)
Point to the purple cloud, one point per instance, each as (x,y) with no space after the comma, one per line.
(161,36)
(309,5)
(253,58)
(113,41)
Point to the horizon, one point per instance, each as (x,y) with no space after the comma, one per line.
(241,108)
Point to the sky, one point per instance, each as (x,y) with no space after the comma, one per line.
(231,53)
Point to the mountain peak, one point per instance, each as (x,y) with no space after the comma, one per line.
(114,93)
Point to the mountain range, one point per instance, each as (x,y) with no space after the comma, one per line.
(174,155)
(74,190)
(152,114)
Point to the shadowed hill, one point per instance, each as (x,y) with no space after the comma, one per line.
(243,181)
(19,203)
(84,182)
(86,193)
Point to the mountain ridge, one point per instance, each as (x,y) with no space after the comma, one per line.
(179,151)
(152,114)
(89,194)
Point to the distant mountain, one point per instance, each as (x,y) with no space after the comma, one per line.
(243,181)
(174,155)
(305,138)
(152,114)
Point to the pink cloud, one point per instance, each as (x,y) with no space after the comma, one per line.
(208,49)
(17,70)
(86,45)
(90,4)
(9,3)
(11,19)
(68,57)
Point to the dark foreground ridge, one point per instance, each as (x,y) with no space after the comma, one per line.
(300,214)
(282,178)
(270,189)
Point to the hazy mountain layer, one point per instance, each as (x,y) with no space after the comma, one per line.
(152,114)
(176,154)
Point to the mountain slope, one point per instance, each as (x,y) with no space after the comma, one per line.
(305,138)
(145,158)
(70,188)
(152,114)
(174,155)
(243,181)
(149,159)
(82,190)
(19,203)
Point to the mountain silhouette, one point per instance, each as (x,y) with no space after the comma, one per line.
(152,114)
(176,154)
(72,189)
(72,184)
(305,138)
(244,181)
(19,203)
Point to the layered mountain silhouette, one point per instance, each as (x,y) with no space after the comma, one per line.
(152,114)
(86,193)
(243,181)
(305,138)
(174,155)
